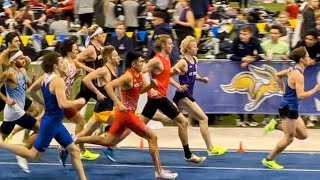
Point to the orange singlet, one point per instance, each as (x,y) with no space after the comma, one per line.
(128,119)
(130,97)
(163,78)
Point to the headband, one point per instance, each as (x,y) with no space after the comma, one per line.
(15,56)
(98,31)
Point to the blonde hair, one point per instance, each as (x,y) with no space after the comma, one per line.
(92,29)
(161,39)
(185,44)
(121,23)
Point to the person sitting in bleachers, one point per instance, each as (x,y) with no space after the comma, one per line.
(274,48)
(121,41)
(312,45)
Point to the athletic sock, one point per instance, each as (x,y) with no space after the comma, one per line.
(187,152)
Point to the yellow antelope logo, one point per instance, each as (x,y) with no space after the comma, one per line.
(259,83)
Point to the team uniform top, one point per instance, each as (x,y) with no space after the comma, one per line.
(18,94)
(50,100)
(290,97)
(163,78)
(107,103)
(70,76)
(189,78)
(130,97)
(98,62)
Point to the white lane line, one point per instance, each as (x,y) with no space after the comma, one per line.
(174,167)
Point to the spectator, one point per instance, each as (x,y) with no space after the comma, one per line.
(286,29)
(162,4)
(130,8)
(200,9)
(161,25)
(58,26)
(121,42)
(84,9)
(67,7)
(243,3)
(185,23)
(98,8)
(292,8)
(312,45)
(110,18)
(309,20)
(317,28)
(246,49)
(274,48)
(142,15)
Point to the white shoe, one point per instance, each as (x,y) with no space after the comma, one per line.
(265,121)
(166,175)
(23,164)
(310,124)
(253,124)
(240,123)
(196,159)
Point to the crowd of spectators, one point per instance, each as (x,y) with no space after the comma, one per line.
(237,32)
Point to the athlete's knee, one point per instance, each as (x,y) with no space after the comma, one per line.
(289,138)
(33,110)
(73,149)
(153,137)
(204,120)
(303,136)
(34,154)
(181,120)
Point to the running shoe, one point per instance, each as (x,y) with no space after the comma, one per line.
(87,155)
(63,155)
(165,174)
(196,159)
(217,151)
(23,164)
(272,164)
(270,126)
(109,153)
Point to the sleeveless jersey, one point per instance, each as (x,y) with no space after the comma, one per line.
(290,97)
(50,100)
(18,94)
(189,77)
(98,62)
(70,75)
(163,78)
(107,103)
(130,97)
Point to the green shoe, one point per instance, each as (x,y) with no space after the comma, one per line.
(87,155)
(9,138)
(217,151)
(271,164)
(270,126)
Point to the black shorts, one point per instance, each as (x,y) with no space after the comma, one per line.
(2,103)
(163,104)
(86,93)
(26,121)
(180,95)
(27,104)
(285,112)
